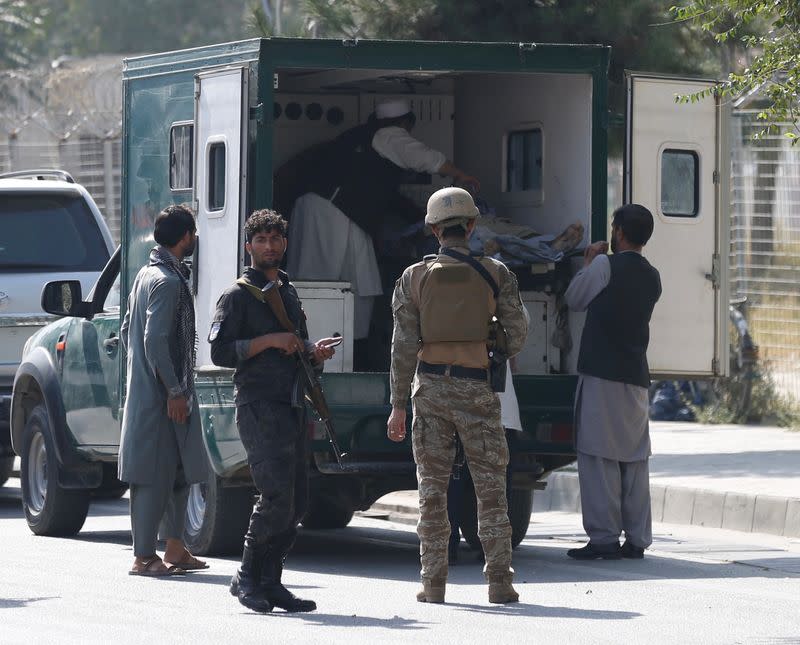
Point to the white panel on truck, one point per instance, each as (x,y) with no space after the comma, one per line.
(676,166)
(329,312)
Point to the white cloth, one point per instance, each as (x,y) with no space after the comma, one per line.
(398,146)
(325,244)
(509,407)
(611,418)
(392,109)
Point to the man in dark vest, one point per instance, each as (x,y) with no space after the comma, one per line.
(349,187)
(618,292)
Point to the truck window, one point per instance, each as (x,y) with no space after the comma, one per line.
(680,183)
(181,155)
(523,160)
(216,176)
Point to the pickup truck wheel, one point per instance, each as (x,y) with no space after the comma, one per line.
(49,509)
(325,514)
(217,517)
(520,504)
(6,466)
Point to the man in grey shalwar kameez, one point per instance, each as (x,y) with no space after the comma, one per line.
(161,450)
(619,293)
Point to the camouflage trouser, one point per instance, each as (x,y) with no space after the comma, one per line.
(444,406)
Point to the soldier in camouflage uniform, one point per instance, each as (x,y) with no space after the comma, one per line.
(442,311)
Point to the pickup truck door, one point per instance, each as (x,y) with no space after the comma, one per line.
(220,154)
(677,165)
(90,381)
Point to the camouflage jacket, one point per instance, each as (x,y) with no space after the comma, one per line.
(406,340)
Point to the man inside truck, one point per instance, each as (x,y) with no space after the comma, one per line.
(349,187)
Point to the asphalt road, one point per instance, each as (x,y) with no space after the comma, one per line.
(695,586)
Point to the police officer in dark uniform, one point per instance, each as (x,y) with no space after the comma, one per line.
(245,334)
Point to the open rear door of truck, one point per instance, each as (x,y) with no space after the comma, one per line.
(677,165)
(220,166)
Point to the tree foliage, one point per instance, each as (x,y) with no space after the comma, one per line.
(641,32)
(20,25)
(775,68)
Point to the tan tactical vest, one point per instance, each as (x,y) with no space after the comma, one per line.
(456,306)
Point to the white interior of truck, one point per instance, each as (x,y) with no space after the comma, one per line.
(526,137)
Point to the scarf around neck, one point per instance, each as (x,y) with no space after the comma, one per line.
(184,317)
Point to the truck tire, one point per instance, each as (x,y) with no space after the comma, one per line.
(6,467)
(323,513)
(520,504)
(217,517)
(49,509)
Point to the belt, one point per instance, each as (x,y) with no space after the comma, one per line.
(457,371)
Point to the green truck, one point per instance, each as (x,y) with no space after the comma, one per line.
(211,126)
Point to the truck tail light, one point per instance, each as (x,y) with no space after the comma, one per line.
(554,432)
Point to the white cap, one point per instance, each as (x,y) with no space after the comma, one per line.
(392,109)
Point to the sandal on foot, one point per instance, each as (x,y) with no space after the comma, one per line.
(150,568)
(188,563)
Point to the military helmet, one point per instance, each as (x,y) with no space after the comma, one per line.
(450,204)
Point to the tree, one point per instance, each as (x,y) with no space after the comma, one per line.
(641,32)
(775,68)
(20,24)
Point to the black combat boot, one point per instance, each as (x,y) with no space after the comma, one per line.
(273,589)
(245,584)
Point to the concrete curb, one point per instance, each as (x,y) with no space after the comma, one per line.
(697,507)
(671,504)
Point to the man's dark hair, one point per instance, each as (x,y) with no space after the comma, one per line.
(264,221)
(636,223)
(172,224)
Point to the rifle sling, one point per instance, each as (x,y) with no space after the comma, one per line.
(277,307)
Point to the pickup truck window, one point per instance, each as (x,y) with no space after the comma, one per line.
(181,155)
(49,231)
(680,183)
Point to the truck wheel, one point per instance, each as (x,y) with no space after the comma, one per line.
(49,509)
(326,514)
(6,466)
(217,517)
(520,504)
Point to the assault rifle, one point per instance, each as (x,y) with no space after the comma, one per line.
(270,295)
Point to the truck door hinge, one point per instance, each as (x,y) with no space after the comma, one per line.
(715,176)
(275,81)
(350,42)
(715,366)
(196,91)
(256,113)
(713,277)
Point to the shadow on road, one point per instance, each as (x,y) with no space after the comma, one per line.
(16,603)
(341,620)
(542,611)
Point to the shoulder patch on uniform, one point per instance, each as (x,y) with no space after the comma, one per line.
(214,331)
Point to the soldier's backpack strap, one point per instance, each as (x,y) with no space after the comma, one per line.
(475,265)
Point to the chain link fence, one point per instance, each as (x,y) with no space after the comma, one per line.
(765,244)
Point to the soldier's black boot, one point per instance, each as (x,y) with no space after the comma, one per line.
(273,588)
(246,582)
